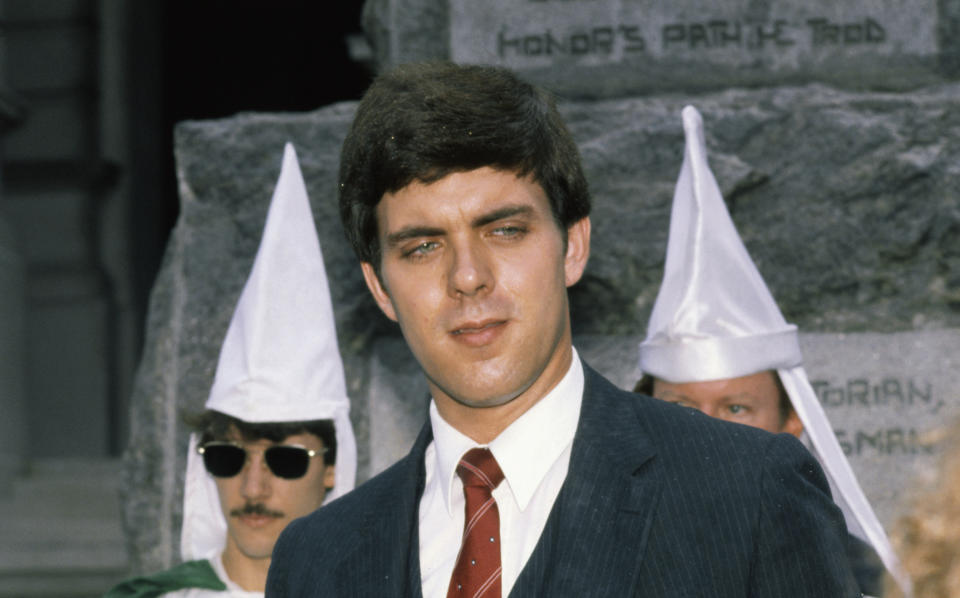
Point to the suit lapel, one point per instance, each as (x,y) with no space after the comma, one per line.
(606,504)
(384,561)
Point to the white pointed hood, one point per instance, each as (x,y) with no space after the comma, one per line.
(714,318)
(279,361)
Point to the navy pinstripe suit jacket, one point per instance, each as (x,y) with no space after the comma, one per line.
(659,501)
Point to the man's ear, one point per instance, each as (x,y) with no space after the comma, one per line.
(578,250)
(379,293)
(329,477)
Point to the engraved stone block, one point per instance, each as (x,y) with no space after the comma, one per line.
(604,48)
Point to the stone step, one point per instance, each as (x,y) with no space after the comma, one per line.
(60,531)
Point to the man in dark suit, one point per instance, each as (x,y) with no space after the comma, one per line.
(462,193)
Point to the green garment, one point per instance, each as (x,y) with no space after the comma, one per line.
(192,574)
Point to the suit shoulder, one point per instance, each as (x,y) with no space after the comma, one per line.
(736,450)
(677,434)
(349,520)
(352,510)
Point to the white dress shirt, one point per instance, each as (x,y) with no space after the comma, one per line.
(534,455)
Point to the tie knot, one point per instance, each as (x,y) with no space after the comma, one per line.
(478,467)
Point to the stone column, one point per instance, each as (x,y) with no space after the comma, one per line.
(13,421)
(12,300)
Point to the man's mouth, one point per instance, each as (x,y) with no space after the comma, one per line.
(478,333)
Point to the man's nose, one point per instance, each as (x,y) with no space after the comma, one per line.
(470,271)
(256,477)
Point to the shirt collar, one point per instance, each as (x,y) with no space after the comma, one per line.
(527,449)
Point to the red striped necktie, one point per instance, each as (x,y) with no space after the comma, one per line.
(477,572)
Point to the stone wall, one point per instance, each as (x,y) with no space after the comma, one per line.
(849,202)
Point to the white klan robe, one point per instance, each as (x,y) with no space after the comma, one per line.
(279,362)
(714,318)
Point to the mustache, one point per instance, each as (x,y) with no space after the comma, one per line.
(257,508)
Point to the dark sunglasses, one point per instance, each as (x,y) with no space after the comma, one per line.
(226,459)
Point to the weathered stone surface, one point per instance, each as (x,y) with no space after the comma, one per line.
(407,30)
(606,48)
(848,202)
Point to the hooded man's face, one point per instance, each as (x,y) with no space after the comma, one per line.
(258,505)
(754,400)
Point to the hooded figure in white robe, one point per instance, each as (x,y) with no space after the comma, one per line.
(714,319)
(279,363)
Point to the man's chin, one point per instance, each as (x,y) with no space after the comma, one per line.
(481,398)
(257,543)
(484,402)
(257,550)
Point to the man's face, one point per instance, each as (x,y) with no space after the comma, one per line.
(753,400)
(475,271)
(258,505)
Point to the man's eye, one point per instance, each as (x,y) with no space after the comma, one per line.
(509,231)
(737,409)
(421,249)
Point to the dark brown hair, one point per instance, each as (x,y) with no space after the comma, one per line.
(421,122)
